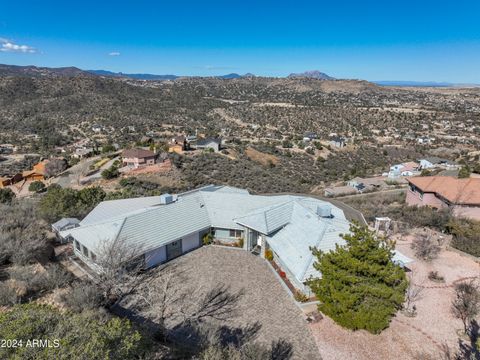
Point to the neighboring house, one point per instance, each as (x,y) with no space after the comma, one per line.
(367,184)
(310,136)
(436,162)
(178,144)
(4,182)
(209,143)
(32,175)
(404,169)
(167,226)
(425,140)
(63,225)
(97,128)
(339,191)
(135,158)
(338,141)
(38,173)
(461,196)
(83,152)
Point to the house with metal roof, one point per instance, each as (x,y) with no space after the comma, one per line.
(167,226)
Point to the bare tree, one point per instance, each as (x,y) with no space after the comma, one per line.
(425,247)
(412,295)
(119,263)
(55,166)
(466,304)
(80,170)
(164,299)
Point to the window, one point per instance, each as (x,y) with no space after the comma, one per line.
(236,233)
(77,245)
(85,251)
(93,256)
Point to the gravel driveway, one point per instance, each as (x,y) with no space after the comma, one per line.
(264,299)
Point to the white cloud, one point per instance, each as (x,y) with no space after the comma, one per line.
(9,46)
(114,53)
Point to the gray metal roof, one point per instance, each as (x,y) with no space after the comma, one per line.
(60,224)
(290,222)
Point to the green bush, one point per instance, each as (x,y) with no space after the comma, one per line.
(207,239)
(360,287)
(58,202)
(6,196)
(72,336)
(37,186)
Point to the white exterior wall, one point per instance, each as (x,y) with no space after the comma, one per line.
(190,242)
(155,257)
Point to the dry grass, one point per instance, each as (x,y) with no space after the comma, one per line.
(261,158)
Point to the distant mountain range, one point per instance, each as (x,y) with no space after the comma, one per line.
(35,71)
(132,76)
(157,77)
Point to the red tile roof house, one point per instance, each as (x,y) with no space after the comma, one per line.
(462,196)
(135,158)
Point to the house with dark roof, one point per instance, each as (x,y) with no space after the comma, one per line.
(461,196)
(167,226)
(135,158)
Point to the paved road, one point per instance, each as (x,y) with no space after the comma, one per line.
(70,177)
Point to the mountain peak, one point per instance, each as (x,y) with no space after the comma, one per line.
(313,74)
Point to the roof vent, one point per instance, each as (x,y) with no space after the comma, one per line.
(324,211)
(166,199)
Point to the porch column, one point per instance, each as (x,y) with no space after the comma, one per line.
(263,246)
(247,238)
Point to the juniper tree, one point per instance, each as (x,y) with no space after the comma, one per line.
(360,287)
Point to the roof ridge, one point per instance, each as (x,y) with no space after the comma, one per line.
(320,237)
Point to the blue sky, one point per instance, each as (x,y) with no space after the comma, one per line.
(419,40)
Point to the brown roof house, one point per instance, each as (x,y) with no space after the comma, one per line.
(462,196)
(135,158)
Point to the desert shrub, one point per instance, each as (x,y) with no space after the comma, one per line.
(6,196)
(300,296)
(425,247)
(83,296)
(240,243)
(465,235)
(466,304)
(207,239)
(81,336)
(37,186)
(435,276)
(23,236)
(8,294)
(37,280)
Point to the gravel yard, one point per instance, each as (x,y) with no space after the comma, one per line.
(406,337)
(264,299)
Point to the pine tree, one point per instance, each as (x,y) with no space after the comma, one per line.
(360,287)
